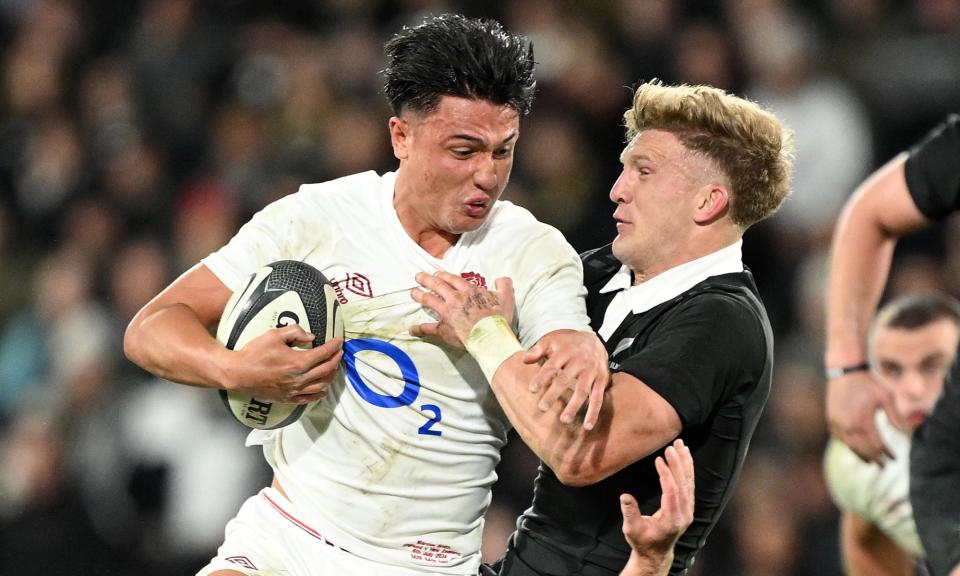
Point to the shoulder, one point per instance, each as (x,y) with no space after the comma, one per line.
(728,297)
(507,216)
(599,265)
(520,231)
(931,170)
(355,186)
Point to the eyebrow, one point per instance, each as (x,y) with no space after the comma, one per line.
(481,141)
(637,156)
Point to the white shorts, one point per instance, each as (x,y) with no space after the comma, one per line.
(267,538)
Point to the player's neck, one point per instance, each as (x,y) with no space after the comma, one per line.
(435,243)
(431,238)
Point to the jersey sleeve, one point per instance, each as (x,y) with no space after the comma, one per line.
(700,354)
(277,232)
(550,293)
(933,170)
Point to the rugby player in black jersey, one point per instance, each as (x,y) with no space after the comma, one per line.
(689,343)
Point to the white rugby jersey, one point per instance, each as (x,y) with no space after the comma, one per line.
(880,496)
(396,463)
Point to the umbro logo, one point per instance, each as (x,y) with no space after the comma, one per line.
(355,283)
(242,561)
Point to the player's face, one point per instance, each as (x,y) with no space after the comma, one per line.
(457,160)
(656,197)
(912,365)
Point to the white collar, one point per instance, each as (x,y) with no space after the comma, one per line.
(676,280)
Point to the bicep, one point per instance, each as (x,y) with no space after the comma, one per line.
(198,289)
(884,200)
(639,421)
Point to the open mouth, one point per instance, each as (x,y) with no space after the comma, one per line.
(476,207)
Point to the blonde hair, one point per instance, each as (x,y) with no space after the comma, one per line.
(750,145)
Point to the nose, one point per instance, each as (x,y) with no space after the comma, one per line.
(913,385)
(619,191)
(485,176)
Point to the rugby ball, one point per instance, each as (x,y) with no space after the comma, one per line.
(279,294)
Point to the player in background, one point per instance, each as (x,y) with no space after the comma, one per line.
(910,192)
(690,345)
(389,473)
(911,344)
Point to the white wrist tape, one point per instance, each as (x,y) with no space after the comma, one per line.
(491,342)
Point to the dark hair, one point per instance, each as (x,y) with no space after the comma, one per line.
(916,311)
(450,55)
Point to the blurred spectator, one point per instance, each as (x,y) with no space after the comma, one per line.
(831,128)
(53,354)
(44,525)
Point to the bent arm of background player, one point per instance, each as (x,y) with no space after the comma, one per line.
(652,538)
(577,455)
(878,213)
(171,338)
(867,551)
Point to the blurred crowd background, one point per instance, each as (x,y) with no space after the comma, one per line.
(136,136)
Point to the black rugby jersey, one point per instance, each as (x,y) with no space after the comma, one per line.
(709,353)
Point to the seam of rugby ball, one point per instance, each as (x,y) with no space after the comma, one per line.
(243,316)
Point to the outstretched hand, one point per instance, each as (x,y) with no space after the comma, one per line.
(652,538)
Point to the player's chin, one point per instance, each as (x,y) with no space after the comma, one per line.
(470,222)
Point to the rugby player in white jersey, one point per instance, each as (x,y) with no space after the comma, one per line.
(390,472)
(911,345)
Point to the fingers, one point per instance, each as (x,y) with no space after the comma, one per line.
(630,511)
(325,370)
(431,300)
(680,464)
(508,301)
(669,502)
(863,438)
(852,402)
(294,334)
(316,392)
(867,444)
(442,284)
(594,404)
(574,403)
(559,385)
(544,376)
(532,356)
(425,329)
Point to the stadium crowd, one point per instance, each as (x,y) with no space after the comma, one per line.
(136,136)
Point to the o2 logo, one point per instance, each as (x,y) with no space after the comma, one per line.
(411,380)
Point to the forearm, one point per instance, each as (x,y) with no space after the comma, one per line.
(554,442)
(878,213)
(172,343)
(859,266)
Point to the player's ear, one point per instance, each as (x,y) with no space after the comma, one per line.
(713,202)
(399,137)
